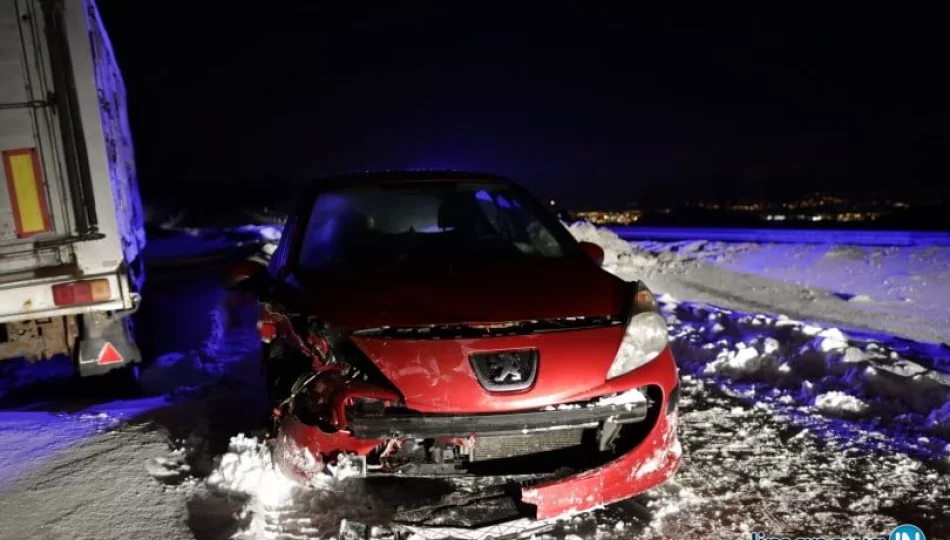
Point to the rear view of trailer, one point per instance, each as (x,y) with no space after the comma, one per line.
(71,227)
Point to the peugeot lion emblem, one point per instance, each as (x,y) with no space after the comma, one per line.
(506,371)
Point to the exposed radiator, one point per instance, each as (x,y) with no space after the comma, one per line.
(487,448)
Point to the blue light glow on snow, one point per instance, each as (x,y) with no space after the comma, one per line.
(31,439)
(701,332)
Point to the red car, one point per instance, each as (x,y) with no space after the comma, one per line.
(448,324)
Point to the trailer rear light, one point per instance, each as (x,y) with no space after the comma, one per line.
(81,292)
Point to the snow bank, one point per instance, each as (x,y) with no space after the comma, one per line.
(741,360)
(703,271)
(247,473)
(860,377)
(619,255)
(839,403)
(832,340)
(900,289)
(248,470)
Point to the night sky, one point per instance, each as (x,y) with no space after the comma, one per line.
(592,105)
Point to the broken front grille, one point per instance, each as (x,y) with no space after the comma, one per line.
(488,448)
(410,424)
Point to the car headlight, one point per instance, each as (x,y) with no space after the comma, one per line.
(645,338)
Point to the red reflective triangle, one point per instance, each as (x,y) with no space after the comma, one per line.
(109,355)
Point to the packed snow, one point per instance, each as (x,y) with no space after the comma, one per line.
(803,413)
(630,397)
(898,289)
(839,403)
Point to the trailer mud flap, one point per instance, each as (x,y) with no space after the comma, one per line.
(105,344)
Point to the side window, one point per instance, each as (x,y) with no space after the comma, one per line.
(335,223)
(279,259)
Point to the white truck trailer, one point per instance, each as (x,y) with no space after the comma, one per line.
(71,219)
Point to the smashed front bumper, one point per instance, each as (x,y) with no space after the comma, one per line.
(651,463)
(646,455)
(496,425)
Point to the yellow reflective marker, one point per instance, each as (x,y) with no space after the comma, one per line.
(27,193)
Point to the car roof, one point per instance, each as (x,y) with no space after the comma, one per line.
(405,177)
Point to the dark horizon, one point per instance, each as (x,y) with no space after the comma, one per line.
(590,106)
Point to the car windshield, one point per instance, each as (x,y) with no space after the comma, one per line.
(423,223)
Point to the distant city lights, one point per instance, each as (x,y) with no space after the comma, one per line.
(606,217)
(816,207)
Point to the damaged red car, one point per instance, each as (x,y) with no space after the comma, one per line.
(447,324)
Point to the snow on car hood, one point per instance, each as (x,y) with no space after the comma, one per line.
(485,292)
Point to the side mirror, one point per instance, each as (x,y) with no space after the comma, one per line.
(594,251)
(247,276)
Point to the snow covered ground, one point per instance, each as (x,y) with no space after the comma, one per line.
(845,237)
(898,290)
(803,414)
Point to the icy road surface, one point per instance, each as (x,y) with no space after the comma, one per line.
(788,427)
